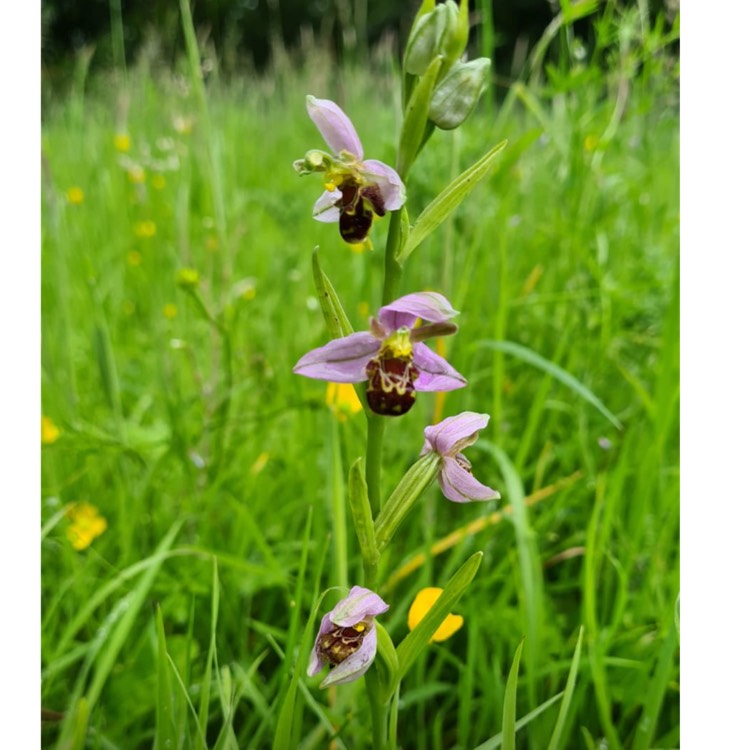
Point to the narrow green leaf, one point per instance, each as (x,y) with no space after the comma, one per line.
(166,736)
(123,628)
(188,702)
(414,643)
(531,357)
(509,703)
(497,740)
(362,514)
(445,203)
(647,724)
(206,682)
(575,10)
(415,118)
(333,311)
(567,695)
(108,641)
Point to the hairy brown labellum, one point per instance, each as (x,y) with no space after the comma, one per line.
(354,226)
(340,643)
(390,385)
(357,206)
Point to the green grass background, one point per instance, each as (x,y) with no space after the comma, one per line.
(180,626)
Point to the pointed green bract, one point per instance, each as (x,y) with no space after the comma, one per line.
(414,643)
(415,118)
(445,203)
(362,514)
(386,661)
(419,477)
(333,311)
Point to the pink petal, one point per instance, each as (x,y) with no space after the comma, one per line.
(341,360)
(357,664)
(460,486)
(335,127)
(451,435)
(435,373)
(359,604)
(316,663)
(325,209)
(392,189)
(404,311)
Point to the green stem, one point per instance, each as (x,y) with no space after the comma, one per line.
(377,709)
(375,430)
(392,275)
(338,509)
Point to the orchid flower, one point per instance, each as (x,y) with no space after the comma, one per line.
(448,438)
(354,189)
(347,637)
(391,356)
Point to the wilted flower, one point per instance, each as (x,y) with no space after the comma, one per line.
(85,525)
(449,438)
(354,189)
(391,356)
(422,604)
(347,637)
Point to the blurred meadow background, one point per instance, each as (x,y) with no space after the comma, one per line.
(193,488)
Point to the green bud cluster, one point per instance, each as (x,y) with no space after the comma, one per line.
(441,32)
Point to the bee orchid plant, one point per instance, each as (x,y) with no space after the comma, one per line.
(391,362)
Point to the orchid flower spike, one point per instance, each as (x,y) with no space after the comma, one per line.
(448,438)
(391,356)
(354,189)
(347,637)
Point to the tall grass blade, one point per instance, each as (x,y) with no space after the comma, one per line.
(509,702)
(532,358)
(166,734)
(570,685)
(497,740)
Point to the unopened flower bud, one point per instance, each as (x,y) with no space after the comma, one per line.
(458,93)
(424,42)
(314,161)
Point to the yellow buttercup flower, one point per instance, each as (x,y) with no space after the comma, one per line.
(85,525)
(145,229)
(422,604)
(74,195)
(122,142)
(170,311)
(343,401)
(134,258)
(50,431)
